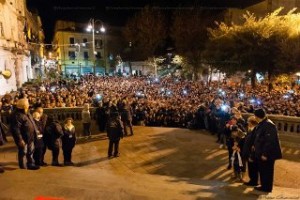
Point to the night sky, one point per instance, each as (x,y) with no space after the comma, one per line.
(113,12)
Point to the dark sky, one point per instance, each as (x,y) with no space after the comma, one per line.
(113,12)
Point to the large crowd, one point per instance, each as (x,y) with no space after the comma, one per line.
(158,101)
(153,101)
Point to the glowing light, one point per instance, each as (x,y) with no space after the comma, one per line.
(52,89)
(224,107)
(286,96)
(252,100)
(98,96)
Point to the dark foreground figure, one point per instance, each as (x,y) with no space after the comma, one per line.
(24,131)
(114,132)
(266,150)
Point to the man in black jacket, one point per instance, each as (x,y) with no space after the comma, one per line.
(23,130)
(114,132)
(248,152)
(267,150)
(53,133)
(101,117)
(126,117)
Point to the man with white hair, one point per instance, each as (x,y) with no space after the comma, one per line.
(23,130)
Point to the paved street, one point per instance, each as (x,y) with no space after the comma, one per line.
(156,163)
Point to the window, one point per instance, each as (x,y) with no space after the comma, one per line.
(72,41)
(98,44)
(98,55)
(1,30)
(72,55)
(85,42)
(86,55)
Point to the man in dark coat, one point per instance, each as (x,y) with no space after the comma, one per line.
(248,153)
(126,117)
(23,130)
(53,133)
(267,150)
(101,117)
(114,132)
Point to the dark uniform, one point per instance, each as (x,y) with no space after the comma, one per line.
(248,155)
(43,122)
(101,118)
(114,133)
(23,129)
(39,144)
(68,143)
(266,144)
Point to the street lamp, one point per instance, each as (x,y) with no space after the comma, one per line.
(91,28)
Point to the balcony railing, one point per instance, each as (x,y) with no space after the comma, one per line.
(287,126)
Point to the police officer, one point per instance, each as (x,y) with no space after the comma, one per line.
(267,149)
(23,130)
(43,122)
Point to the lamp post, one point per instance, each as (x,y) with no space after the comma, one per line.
(91,27)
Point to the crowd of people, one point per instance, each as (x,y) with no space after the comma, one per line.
(172,102)
(169,102)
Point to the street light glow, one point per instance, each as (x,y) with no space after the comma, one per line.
(102,29)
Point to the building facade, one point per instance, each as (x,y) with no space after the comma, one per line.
(15,51)
(73,47)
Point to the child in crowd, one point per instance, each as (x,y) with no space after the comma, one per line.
(236,159)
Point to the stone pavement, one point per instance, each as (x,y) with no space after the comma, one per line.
(156,163)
